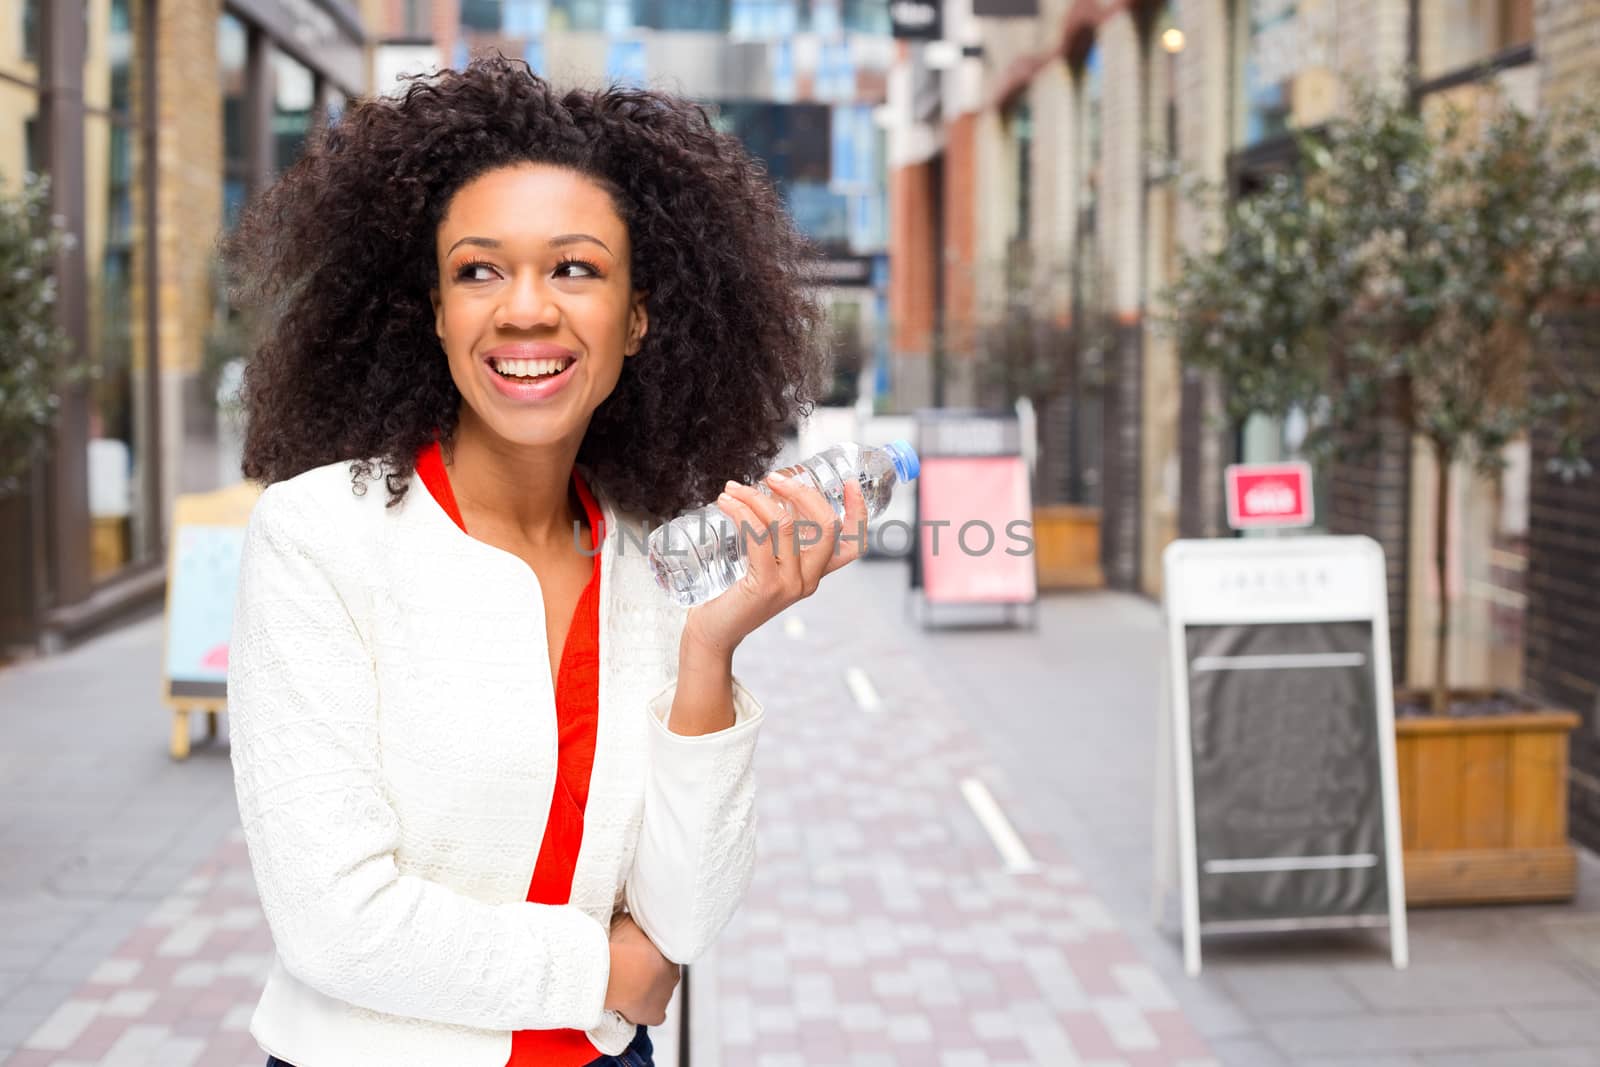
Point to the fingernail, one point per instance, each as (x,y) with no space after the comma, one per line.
(730,486)
(777,476)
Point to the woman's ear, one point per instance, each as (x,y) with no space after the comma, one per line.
(638,323)
(438,314)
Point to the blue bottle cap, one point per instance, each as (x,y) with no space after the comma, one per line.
(906,463)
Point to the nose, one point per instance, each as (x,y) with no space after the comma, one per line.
(527,304)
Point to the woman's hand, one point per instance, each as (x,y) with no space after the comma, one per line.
(642,979)
(783,569)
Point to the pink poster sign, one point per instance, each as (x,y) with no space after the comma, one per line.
(976,532)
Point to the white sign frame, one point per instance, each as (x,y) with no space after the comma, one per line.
(1357,590)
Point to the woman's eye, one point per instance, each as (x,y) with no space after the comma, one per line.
(577,268)
(474,272)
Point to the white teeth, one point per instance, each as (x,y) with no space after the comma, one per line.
(529,368)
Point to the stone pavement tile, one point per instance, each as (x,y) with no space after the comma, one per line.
(1434,985)
(1246,1052)
(1582,1056)
(1290,990)
(1419,1032)
(1559,1026)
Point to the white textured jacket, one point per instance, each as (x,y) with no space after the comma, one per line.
(394,745)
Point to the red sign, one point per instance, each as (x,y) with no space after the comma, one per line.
(1269,494)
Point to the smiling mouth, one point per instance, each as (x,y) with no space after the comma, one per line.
(529,370)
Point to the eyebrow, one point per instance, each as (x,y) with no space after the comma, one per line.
(555,242)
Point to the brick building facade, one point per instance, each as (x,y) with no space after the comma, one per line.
(1127,99)
(130,110)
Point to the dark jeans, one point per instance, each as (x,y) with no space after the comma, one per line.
(639,1054)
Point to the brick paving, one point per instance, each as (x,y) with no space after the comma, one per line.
(179,990)
(882,926)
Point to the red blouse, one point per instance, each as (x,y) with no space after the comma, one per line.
(577,711)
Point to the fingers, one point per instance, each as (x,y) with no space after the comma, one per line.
(852,538)
(757,517)
(816,528)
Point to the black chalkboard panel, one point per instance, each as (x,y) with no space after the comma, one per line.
(1288,787)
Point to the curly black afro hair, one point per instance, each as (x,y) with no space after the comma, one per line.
(337,259)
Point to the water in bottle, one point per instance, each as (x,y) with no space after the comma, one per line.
(697,556)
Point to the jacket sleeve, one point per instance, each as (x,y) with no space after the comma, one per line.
(697,845)
(303,703)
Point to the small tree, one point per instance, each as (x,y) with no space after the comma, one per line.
(1413,255)
(31,344)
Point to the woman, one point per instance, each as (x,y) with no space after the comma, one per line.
(496,786)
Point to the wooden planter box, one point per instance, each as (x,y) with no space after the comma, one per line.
(1066,540)
(1483,807)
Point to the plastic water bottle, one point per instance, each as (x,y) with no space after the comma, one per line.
(699,555)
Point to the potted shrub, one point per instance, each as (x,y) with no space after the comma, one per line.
(1409,264)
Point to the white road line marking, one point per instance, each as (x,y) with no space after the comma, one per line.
(994,821)
(794,627)
(861,689)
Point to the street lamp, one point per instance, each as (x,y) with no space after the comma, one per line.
(1172,40)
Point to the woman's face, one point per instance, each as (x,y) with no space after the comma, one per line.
(535,306)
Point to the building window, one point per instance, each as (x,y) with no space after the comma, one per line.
(1091,90)
(578,15)
(294,93)
(1019,124)
(233,45)
(121,428)
(524,18)
(1282,67)
(1456,34)
(481,15)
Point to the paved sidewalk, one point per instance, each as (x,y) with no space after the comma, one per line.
(883,926)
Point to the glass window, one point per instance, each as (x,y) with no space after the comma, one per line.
(120,426)
(1459,33)
(232,50)
(578,15)
(1092,88)
(1020,125)
(294,92)
(764,18)
(30,31)
(709,15)
(1268,43)
(524,18)
(1283,73)
(867,16)
(19,109)
(481,15)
